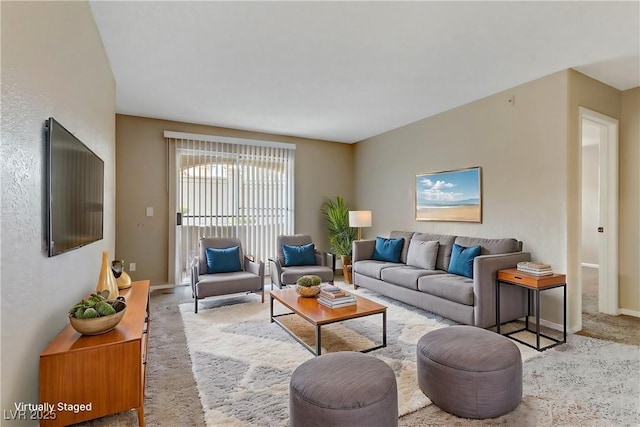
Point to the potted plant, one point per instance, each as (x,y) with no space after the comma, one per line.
(341,236)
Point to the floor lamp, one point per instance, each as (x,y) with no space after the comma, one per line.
(359,219)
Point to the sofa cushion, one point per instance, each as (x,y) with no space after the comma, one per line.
(448,286)
(299,255)
(490,246)
(291,274)
(406,275)
(227,283)
(372,268)
(223,260)
(462,260)
(388,249)
(423,254)
(445,244)
(406,235)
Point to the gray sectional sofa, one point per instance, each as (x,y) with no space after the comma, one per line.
(466,300)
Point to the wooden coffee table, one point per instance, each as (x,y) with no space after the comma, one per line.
(318,315)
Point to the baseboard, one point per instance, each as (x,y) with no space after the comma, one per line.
(165,286)
(551,325)
(628,312)
(589,265)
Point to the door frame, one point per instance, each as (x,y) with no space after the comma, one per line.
(608,210)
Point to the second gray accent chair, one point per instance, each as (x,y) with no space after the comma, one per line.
(283,275)
(249,277)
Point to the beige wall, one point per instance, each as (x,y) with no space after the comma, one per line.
(629,244)
(322,169)
(522,149)
(53,64)
(596,96)
(531,181)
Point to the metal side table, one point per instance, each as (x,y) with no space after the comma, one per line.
(534,285)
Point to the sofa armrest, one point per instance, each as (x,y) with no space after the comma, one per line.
(195,273)
(512,301)
(275,271)
(362,249)
(254,267)
(325,258)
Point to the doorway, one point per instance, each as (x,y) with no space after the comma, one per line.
(599,241)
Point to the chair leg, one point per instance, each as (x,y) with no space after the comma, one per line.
(196,304)
(262,293)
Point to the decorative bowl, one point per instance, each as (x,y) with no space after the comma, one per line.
(307,291)
(100,325)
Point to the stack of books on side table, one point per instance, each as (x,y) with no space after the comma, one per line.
(334,297)
(535,268)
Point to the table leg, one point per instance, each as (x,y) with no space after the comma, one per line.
(497,306)
(564,311)
(526,319)
(318,340)
(384,328)
(271,308)
(537,319)
(140,411)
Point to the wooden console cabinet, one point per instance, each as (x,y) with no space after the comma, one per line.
(105,373)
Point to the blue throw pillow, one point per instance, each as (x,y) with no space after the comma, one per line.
(388,249)
(462,260)
(299,255)
(223,260)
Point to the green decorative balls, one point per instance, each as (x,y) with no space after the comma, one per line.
(308,281)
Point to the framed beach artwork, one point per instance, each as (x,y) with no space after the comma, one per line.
(449,196)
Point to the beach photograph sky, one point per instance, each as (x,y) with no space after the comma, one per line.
(448,188)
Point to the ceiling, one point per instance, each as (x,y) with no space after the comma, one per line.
(346,71)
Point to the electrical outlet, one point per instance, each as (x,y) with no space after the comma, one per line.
(132,266)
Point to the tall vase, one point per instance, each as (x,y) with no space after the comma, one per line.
(106,279)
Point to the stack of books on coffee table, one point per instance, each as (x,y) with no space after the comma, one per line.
(534,268)
(334,297)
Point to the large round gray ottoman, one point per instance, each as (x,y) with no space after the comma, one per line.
(343,389)
(470,372)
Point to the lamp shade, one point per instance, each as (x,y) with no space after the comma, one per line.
(359,218)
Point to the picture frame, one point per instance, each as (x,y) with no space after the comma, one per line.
(454,195)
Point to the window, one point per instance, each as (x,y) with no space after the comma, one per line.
(227,187)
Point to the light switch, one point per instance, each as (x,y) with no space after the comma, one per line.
(149,211)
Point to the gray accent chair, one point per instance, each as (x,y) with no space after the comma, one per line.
(250,279)
(282,275)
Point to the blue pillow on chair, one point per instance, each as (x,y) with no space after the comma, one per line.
(223,260)
(462,260)
(388,249)
(299,255)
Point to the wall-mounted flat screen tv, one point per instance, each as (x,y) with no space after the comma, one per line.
(74,191)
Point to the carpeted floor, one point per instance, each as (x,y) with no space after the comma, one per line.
(586,382)
(240,358)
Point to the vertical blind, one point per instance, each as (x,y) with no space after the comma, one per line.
(235,189)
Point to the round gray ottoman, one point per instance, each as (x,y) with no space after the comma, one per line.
(343,389)
(470,372)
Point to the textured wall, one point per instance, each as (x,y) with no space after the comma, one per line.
(322,169)
(596,96)
(629,244)
(531,182)
(53,64)
(522,149)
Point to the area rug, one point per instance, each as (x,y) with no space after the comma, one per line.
(242,363)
